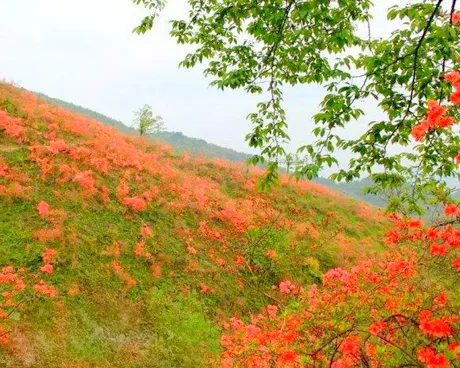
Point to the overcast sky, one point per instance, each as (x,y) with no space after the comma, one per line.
(84,52)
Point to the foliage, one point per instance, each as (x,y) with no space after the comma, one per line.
(262,47)
(146,123)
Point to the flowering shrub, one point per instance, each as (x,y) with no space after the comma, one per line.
(400,308)
(12,286)
(135,203)
(47,290)
(12,126)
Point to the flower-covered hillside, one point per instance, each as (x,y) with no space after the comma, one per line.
(118,253)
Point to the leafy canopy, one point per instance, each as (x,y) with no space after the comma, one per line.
(146,123)
(263,46)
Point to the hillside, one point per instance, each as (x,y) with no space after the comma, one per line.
(197,146)
(179,141)
(118,253)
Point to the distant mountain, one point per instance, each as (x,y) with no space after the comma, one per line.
(198,146)
(355,189)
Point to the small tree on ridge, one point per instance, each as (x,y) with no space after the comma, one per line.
(146,123)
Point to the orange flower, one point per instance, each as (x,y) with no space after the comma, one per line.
(272,311)
(451,210)
(239,260)
(377,327)
(135,203)
(44,289)
(204,288)
(270,253)
(429,357)
(456,18)
(436,327)
(48,268)
(43,209)
(438,249)
(456,264)
(48,255)
(146,231)
(286,287)
(140,248)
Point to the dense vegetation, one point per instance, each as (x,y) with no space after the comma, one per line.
(116,252)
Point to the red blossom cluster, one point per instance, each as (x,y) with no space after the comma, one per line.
(437,115)
(87,181)
(48,258)
(434,327)
(435,118)
(135,203)
(431,358)
(43,209)
(47,290)
(12,126)
(287,287)
(451,210)
(453,78)
(456,18)
(239,218)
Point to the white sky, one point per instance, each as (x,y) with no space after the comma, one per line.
(84,52)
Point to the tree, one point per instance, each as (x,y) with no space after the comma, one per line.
(264,46)
(146,123)
(291,162)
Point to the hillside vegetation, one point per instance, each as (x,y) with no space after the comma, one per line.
(116,252)
(197,146)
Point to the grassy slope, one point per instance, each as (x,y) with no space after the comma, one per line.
(196,146)
(206,259)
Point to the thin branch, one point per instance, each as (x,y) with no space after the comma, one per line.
(384,68)
(414,71)
(452,11)
(417,49)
